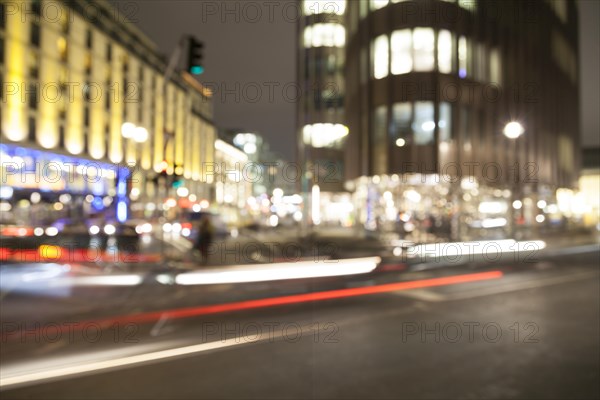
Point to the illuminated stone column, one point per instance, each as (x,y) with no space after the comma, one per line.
(181,111)
(49,94)
(159,124)
(170,125)
(76,53)
(146,122)
(196,148)
(132,99)
(189,135)
(14,113)
(98,93)
(116,111)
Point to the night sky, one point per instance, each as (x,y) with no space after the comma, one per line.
(252,60)
(255,56)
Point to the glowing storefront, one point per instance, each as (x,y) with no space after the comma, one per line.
(81,83)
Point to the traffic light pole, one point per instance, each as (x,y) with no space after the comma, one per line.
(173,60)
(162,190)
(194,56)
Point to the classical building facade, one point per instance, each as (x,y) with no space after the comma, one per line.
(82,86)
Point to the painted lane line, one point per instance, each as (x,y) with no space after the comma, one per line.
(72,370)
(174,314)
(516,286)
(508,287)
(30,373)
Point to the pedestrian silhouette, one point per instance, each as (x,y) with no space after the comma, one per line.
(205,237)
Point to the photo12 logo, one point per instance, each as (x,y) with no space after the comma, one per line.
(290,332)
(468,332)
(57,12)
(70,332)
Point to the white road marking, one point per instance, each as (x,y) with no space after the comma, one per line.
(35,372)
(515,286)
(155,331)
(422,294)
(8,380)
(507,287)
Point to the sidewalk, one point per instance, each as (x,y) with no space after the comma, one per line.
(284,245)
(555,241)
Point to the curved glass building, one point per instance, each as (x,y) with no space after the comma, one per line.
(430,88)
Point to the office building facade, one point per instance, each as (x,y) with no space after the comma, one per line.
(429,87)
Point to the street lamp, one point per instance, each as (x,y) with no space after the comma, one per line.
(513,130)
(131,131)
(140,134)
(128,130)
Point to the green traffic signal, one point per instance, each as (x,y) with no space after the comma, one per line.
(196,70)
(195,56)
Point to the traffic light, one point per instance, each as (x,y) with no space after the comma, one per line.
(177,182)
(195,66)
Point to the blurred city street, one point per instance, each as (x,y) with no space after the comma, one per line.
(299,199)
(518,330)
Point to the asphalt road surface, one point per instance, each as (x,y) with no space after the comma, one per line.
(507,330)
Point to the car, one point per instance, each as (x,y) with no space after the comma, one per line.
(9,227)
(220,229)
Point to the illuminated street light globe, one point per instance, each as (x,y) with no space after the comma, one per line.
(140,134)
(128,130)
(513,130)
(250,148)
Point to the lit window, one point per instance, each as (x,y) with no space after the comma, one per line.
(401,115)
(363,9)
(470,5)
(381,57)
(445,122)
(377,4)
(495,74)
(423,45)
(424,123)
(462,57)
(308,36)
(87,62)
(464,128)
(324,35)
(481,62)
(61,43)
(324,135)
(380,144)
(445,45)
(331,63)
(337,7)
(401,52)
